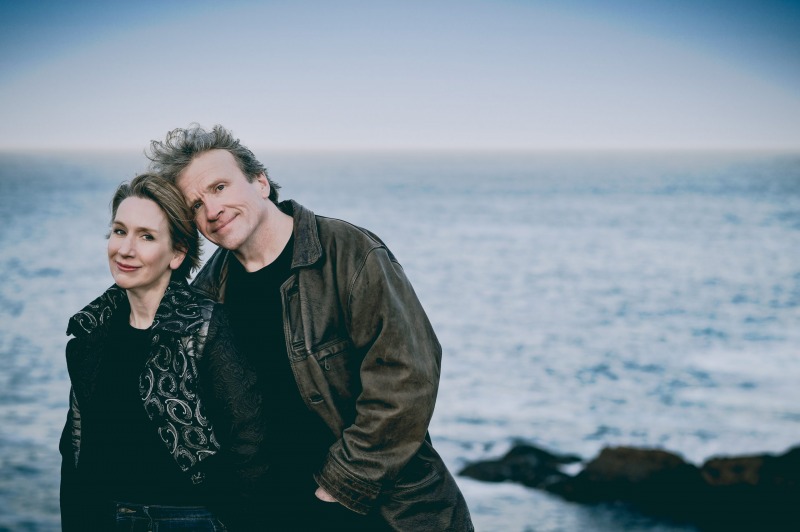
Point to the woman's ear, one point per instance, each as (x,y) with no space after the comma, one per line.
(177,259)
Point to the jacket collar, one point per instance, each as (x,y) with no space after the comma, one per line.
(178,312)
(213,277)
(307,247)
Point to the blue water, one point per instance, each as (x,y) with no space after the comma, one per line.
(582,300)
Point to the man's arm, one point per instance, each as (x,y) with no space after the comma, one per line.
(399,377)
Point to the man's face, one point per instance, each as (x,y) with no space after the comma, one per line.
(229,210)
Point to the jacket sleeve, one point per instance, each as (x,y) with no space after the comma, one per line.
(71,494)
(234,408)
(399,378)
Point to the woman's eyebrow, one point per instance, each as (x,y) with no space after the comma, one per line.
(139,229)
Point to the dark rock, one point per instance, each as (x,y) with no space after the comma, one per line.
(526,464)
(653,480)
(758,492)
(762,471)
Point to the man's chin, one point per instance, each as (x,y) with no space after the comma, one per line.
(224,243)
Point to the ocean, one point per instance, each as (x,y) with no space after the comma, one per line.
(582,300)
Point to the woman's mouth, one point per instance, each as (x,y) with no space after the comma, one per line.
(126,268)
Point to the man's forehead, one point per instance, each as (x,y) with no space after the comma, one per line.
(208,167)
(197,179)
(185,183)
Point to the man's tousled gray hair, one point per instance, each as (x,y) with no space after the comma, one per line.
(170,157)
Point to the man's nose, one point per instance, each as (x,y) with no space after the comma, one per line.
(213,209)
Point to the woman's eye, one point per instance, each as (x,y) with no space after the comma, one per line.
(148,237)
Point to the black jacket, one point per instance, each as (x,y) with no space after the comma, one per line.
(220,409)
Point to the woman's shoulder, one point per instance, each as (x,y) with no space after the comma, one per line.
(183,309)
(202,300)
(97,313)
(212,312)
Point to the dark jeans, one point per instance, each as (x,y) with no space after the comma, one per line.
(131,517)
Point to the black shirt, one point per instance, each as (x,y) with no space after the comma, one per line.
(122,457)
(297,440)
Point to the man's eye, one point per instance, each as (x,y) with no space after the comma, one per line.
(196,206)
(220,187)
(118,232)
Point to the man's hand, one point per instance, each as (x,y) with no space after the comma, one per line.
(324,495)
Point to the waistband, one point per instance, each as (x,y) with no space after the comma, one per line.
(161,511)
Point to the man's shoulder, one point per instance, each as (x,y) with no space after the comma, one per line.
(328,231)
(338,231)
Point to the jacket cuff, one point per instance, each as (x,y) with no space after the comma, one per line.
(354,493)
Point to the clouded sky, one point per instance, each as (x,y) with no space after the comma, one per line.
(403,74)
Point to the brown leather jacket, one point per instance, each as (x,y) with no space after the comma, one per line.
(365,359)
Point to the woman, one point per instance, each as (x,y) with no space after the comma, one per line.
(164,419)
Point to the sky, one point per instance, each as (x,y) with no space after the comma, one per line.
(385,75)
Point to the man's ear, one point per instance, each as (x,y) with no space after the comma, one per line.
(263,184)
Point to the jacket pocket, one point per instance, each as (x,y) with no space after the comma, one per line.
(414,479)
(425,497)
(331,352)
(340,368)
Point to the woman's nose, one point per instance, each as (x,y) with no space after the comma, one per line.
(127,247)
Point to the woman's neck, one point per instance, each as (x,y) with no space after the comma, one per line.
(144,304)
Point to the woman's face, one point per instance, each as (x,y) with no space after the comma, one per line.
(140,252)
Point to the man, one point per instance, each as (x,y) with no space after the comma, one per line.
(347,361)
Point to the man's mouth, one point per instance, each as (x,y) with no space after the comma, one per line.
(222,225)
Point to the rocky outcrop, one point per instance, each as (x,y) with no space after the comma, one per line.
(759,492)
(526,464)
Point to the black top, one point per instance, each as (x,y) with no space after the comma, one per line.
(122,456)
(297,440)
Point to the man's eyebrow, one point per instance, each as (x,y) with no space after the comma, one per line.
(194,198)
